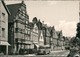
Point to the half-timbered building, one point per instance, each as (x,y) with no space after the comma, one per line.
(18,21)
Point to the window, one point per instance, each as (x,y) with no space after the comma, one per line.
(20,15)
(0,15)
(16,30)
(41,37)
(0,31)
(26,22)
(22,8)
(21,25)
(3,16)
(3,32)
(24,12)
(35,28)
(28,32)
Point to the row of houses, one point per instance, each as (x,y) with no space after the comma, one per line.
(17,32)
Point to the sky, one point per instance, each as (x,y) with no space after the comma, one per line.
(63,15)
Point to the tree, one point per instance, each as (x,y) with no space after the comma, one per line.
(75,42)
(78,34)
(78,30)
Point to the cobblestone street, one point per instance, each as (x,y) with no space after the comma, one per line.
(59,53)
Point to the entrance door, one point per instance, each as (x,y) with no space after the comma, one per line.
(3,49)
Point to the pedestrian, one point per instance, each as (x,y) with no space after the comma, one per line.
(1,54)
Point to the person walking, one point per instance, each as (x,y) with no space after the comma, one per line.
(1,54)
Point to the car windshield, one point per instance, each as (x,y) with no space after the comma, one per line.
(41,47)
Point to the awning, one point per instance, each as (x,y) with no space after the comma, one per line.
(4,43)
(27,42)
(46,45)
(37,45)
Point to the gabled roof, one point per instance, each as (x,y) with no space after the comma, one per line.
(13,8)
(60,35)
(55,34)
(41,32)
(5,7)
(39,24)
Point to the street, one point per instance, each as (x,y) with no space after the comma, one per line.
(60,53)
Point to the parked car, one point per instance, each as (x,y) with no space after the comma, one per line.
(43,50)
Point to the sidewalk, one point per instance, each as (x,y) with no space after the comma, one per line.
(58,50)
(30,55)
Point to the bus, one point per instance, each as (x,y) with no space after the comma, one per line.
(44,50)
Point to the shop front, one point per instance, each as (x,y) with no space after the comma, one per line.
(4,47)
(36,47)
(19,45)
(27,47)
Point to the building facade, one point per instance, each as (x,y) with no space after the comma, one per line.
(4,12)
(47,36)
(28,41)
(41,38)
(60,38)
(54,38)
(37,33)
(18,21)
(57,40)
(34,33)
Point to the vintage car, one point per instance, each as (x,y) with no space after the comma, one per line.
(43,50)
